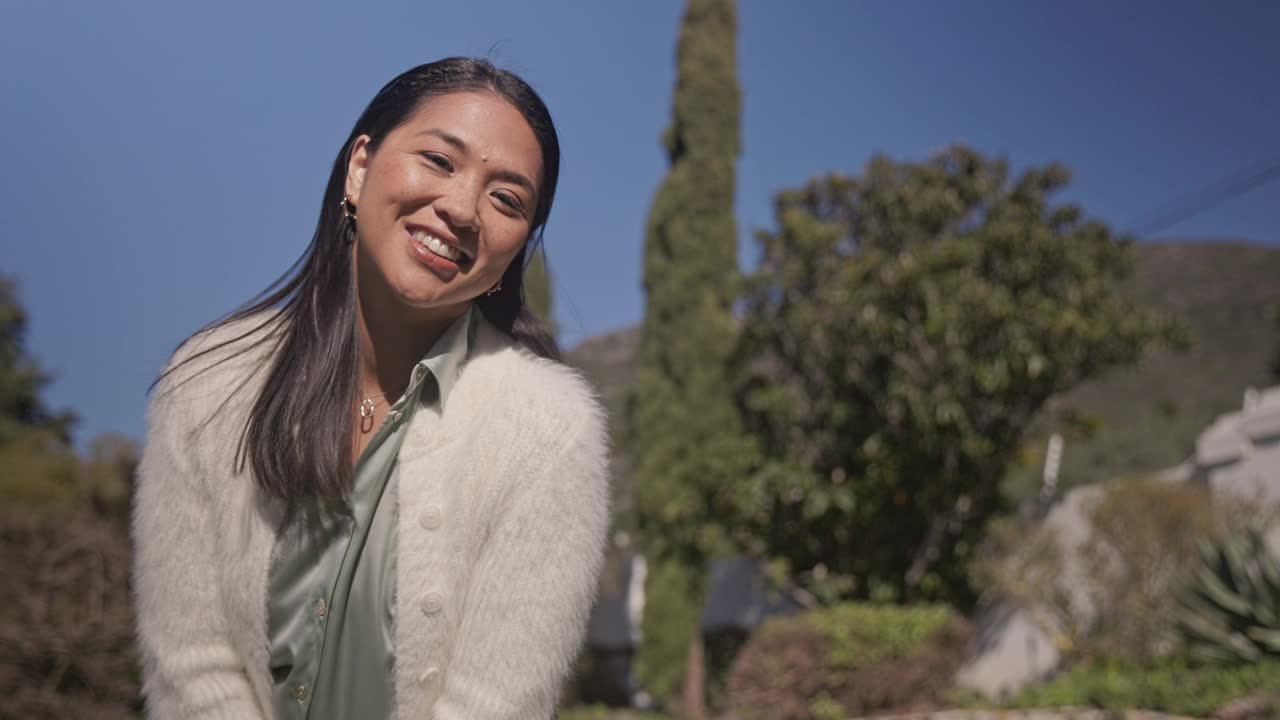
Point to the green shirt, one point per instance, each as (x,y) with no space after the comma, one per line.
(332,584)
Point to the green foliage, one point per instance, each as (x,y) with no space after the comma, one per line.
(903,331)
(537,289)
(107,474)
(601,712)
(67,645)
(1149,416)
(1113,595)
(685,434)
(20,377)
(690,456)
(1171,685)
(846,661)
(1231,607)
(39,471)
(825,707)
(1143,540)
(858,634)
(670,619)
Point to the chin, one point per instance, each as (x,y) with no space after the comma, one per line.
(418,299)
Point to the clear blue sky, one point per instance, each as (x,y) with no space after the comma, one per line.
(164,161)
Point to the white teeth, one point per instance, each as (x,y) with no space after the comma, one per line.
(438,246)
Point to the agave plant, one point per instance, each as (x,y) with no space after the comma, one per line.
(1230,609)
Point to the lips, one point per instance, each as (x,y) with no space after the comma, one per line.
(439,264)
(438,246)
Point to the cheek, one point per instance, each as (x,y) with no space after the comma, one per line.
(399,183)
(505,243)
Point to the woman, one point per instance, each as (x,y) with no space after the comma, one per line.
(371,492)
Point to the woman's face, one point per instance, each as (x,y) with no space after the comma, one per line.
(446,201)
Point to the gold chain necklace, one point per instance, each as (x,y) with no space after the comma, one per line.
(366,407)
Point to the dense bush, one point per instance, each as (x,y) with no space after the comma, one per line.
(66,637)
(670,618)
(847,660)
(1112,593)
(1173,685)
(1144,542)
(601,712)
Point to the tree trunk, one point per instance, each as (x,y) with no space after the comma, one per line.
(694,694)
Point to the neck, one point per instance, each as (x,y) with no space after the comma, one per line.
(392,336)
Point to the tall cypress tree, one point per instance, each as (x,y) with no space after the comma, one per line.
(690,453)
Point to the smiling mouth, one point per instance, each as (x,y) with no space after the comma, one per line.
(438,247)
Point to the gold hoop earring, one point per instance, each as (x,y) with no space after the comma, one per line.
(494,290)
(348,208)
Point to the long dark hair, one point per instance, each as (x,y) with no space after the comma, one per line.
(298,436)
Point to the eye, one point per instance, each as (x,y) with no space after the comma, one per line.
(511,203)
(438,160)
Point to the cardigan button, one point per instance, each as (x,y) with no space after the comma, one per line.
(432,603)
(432,517)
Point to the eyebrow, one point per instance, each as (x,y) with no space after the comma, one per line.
(506,175)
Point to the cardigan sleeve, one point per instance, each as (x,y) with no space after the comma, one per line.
(189,669)
(531,593)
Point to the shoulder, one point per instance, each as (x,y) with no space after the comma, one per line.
(529,393)
(214,368)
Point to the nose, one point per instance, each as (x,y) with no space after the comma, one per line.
(458,206)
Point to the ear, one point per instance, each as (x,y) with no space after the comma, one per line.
(357,168)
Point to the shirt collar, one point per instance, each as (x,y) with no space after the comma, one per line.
(445,358)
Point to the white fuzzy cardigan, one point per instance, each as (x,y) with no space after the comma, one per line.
(503,512)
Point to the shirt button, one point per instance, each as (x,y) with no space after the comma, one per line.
(300,692)
(432,603)
(430,674)
(322,608)
(432,517)
(395,416)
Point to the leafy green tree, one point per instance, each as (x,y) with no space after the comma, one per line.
(537,289)
(108,473)
(20,377)
(690,453)
(37,467)
(903,330)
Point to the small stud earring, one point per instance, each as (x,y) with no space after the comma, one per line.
(495,289)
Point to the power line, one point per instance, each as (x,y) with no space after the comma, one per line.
(1197,202)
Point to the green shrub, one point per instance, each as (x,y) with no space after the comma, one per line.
(1145,539)
(600,712)
(66,640)
(859,634)
(1113,595)
(847,660)
(38,471)
(1173,685)
(669,621)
